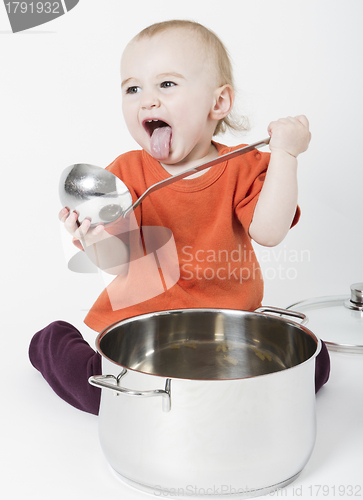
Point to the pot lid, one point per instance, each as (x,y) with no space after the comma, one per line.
(337,320)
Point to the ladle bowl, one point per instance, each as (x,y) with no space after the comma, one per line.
(94,193)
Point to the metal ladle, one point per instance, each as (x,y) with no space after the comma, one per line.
(97,194)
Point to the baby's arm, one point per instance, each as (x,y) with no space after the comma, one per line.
(277,202)
(106,251)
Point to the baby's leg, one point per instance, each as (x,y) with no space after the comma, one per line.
(66,361)
(322,367)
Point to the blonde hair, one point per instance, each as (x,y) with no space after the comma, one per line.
(221,57)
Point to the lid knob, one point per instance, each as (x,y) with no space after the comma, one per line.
(356,297)
(356,293)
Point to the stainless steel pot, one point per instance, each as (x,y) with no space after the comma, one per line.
(208,401)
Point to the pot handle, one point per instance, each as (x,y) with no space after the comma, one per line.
(285,312)
(101,381)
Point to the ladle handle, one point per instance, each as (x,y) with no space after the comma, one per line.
(198,168)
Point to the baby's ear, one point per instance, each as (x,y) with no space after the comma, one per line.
(223,102)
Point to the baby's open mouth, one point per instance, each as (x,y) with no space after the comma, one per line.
(160,138)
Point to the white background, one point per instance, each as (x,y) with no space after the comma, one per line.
(60,104)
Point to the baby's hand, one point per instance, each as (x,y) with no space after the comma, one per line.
(290,135)
(81,231)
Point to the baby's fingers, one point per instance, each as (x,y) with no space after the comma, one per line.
(63,214)
(90,236)
(71,223)
(303,120)
(82,229)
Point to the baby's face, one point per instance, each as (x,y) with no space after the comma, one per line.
(169,78)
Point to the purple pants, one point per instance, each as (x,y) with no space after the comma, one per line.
(66,361)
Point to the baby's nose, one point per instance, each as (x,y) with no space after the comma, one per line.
(149,100)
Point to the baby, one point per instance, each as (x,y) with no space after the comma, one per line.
(177,93)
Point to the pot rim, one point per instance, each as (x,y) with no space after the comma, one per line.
(205,309)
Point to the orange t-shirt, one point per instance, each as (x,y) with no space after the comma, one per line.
(193,249)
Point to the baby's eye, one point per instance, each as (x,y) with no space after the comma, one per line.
(132,90)
(165,85)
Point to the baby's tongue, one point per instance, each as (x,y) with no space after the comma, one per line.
(160,143)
